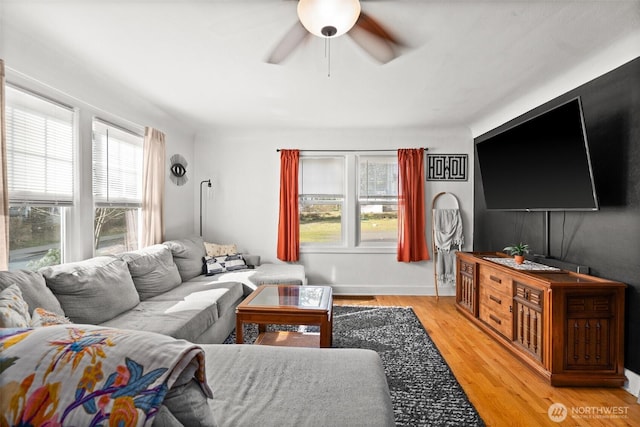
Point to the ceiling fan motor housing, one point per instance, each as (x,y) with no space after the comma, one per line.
(329,31)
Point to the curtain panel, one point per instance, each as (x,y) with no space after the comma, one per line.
(4,194)
(412,241)
(288,220)
(153,187)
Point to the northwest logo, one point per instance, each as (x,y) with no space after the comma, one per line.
(557,412)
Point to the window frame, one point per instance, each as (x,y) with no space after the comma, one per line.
(59,114)
(385,200)
(100,201)
(326,199)
(351,210)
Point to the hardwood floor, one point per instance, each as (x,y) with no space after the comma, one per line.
(505,391)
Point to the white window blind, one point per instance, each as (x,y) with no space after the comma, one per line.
(40,153)
(117,166)
(378,178)
(321,176)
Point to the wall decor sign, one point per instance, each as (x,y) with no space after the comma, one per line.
(447,167)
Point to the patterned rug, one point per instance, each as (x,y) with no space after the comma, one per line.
(423,389)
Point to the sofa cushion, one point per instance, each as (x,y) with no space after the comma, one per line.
(94,290)
(179,319)
(187,254)
(34,289)
(164,418)
(152,270)
(189,405)
(14,311)
(259,385)
(224,295)
(279,274)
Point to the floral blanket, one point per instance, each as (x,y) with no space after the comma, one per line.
(85,375)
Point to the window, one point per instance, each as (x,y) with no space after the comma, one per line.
(348,202)
(40,172)
(321,195)
(378,199)
(117,188)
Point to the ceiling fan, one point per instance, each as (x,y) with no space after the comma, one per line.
(332,18)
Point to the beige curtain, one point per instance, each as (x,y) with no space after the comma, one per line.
(131,238)
(153,187)
(4,195)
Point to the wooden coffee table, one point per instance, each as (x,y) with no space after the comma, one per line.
(288,305)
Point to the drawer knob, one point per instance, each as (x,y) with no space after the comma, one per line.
(495,319)
(496,299)
(495,279)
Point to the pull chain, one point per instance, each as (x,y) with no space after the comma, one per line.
(327,54)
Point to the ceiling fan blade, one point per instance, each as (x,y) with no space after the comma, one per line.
(374,39)
(373,27)
(379,49)
(294,37)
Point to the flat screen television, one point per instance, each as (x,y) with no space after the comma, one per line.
(541,164)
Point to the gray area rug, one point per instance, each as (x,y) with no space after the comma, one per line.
(423,389)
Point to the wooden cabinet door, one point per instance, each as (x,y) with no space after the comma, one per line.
(590,321)
(466,293)
(529,332)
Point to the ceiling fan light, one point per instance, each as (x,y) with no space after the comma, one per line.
(328,18)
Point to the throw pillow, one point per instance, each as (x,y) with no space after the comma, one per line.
(14,311)
(235,262)
(187,254)
(221,264)
(94,290)
(42,317)
(34,289)
(213,266)
(215,249)
(153,270)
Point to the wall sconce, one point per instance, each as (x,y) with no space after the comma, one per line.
(208,181)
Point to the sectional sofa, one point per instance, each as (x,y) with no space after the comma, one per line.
(159,289)
(159,298)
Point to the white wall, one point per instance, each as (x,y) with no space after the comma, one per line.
(66,79)
(601,63)
(242,206)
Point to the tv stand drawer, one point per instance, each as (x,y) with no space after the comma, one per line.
(496,310)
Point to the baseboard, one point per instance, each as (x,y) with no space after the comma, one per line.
(395,289)
(633,383)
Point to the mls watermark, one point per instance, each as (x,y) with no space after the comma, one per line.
(558,412)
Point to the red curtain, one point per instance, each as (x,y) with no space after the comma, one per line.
(412,242)
(288,221)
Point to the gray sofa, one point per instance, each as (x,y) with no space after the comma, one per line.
(159,289)
(162,289)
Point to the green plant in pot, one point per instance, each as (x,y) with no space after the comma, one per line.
(518,252)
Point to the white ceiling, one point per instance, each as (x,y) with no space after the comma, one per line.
(203,61)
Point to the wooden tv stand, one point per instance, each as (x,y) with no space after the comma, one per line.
(569,327)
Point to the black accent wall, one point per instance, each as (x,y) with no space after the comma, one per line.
(607,241)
